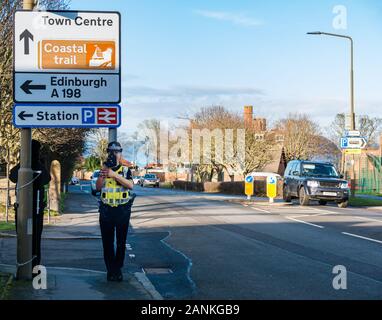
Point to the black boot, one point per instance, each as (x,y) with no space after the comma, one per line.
(119,276)
(111,276)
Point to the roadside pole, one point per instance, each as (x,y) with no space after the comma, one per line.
(112,134)
(25,198)
(8,187)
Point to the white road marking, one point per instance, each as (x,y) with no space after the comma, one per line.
(365,218)
(312,215)
(304,222)
(360,237)
(261,210)
(326,211)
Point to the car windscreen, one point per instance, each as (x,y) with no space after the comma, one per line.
(319,170)
(150,176)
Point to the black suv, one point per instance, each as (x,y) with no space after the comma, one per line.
(320,181)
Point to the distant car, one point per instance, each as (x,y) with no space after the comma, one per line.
(150,179)
(137,179)
(93,182)
(307,180)
(74,181)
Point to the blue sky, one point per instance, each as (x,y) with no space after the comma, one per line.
(179,56)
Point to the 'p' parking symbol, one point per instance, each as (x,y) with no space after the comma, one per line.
(88,115)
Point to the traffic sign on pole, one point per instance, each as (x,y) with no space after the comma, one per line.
(352,133)
(353,143)
(66,116)
(67,56)
(249,186)
(353,151)
(271,188)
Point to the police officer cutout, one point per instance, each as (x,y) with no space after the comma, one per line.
(114,182)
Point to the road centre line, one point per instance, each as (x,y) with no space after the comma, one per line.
(304,222)
(361,237)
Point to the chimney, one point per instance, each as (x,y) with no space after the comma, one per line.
(248,116)
(260,124)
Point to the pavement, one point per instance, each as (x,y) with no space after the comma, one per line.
(73,257)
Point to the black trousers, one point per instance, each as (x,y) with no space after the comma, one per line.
(114,224)
(38,225)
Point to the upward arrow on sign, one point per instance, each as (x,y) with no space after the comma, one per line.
(26,35)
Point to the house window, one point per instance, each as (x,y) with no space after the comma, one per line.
(279,138)
(259,136)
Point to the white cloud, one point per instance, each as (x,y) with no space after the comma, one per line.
(235,18)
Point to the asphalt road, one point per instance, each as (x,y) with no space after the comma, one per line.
(239,251)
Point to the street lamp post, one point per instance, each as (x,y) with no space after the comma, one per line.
(352,113)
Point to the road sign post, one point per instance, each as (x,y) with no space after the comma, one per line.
(352,144)
(249,187)
(271,188)
(61,57)
(25,198)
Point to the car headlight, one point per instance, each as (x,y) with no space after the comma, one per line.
(313,184)
(345,185)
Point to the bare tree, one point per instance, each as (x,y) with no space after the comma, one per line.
(256,152)
(369,128)
(299,136)
(97,143)
(64,145)
(149,132)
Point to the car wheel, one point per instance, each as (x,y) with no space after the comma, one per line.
(343,204)
(286,196)
(302,197)
(323,202)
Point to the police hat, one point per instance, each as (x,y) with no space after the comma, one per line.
(114,146)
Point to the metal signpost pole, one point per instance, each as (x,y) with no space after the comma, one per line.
(352,113)
(25,198)
(112,134)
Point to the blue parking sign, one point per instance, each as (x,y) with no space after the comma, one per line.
(344,143)
(88,115)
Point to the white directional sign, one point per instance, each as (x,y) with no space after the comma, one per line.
(66,116)
(67,56)
(352,133)
(353,143)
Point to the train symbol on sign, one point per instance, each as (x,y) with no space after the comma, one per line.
(100,115)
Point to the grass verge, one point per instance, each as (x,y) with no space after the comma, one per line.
(5,285)
(4,226)
(365,202)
